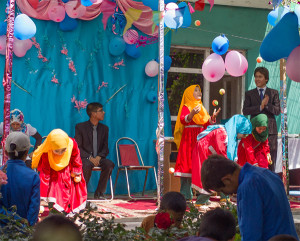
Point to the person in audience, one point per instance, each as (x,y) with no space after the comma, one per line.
(17,124)
(172,207)
(92,139)
(23,187)
(283,237)
(263,208)
(59,164)
(255,149)
(217,139)
(217,224)
(56,228)
(264,100)
(192,119)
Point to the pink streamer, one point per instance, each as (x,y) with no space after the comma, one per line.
(211,2)
(192,10)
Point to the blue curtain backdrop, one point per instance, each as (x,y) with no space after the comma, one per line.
(49,106)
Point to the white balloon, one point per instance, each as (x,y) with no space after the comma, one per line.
(151,68)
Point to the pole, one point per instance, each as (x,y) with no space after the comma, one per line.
(8,74)
(284,126)
(160,133)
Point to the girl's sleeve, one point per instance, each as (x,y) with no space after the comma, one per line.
(183,116)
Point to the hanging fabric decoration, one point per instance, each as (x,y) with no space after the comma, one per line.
(107,8)
(131,16)
(199,5)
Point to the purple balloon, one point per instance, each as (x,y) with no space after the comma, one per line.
(292,65)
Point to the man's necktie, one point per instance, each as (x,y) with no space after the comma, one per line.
(261,94)
(94,141)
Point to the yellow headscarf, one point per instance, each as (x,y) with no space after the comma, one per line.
(57,139)
(190,102)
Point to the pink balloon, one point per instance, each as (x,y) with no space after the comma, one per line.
(151,68)
(28,44)
(20,47)
(213,68)
(3,44)
(235,63)
(74,12)
(57,13)
(131,36)
(293,64)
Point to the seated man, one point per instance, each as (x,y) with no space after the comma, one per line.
(23,188)
(92,139)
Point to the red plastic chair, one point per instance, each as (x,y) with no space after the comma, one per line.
(128,156)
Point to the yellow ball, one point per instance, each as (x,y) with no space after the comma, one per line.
(171,170)
(197,23)
(222,92)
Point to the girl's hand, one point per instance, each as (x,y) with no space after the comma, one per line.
(194,111)
(215,114)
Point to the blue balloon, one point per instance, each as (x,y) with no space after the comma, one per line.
(282,39)
(3,28)
(24,27)
(86,3)
(68,24)
(65,1)
(275,15)
(220,44)
(167,63)
(153,4)
(132,51)
(174,18)
(117,46)
(152,96)
(187,18)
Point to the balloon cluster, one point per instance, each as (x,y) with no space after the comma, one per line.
(214,66)
(175,16)
(283,41)
(66,13)
(24,29)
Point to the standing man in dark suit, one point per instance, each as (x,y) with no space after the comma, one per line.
(263,100)
(92,139)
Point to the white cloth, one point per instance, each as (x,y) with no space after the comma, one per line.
(293,152)
(30,130)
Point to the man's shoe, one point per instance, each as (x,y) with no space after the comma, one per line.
(99,196)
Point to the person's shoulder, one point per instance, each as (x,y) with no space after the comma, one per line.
(81,124)
(251,91)
(272,90)
(103,126)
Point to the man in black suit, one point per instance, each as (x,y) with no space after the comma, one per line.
(263,100)
(92,139)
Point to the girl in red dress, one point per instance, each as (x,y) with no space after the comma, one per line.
(59,163)
(192,119)
(255,149)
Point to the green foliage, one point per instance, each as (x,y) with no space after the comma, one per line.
(94,227)
(17,228)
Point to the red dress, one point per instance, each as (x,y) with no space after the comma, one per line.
(183,167)
(253,152)
(59,187)
(215,142)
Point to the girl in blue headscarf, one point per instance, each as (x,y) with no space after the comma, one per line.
(218,139)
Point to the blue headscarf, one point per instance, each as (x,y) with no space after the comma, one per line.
(236,124)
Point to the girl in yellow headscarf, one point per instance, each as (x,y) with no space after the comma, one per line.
(192,119)
(59,163)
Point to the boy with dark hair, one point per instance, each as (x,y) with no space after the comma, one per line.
(264,100)
(92,139)
(174,204)
(23,188)
(56,228)
(263,207)
(217,224)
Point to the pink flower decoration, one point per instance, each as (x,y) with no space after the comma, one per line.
(73,99)
(79,104)
(64,51)
(54,80)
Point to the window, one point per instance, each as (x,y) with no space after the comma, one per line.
(186,70)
